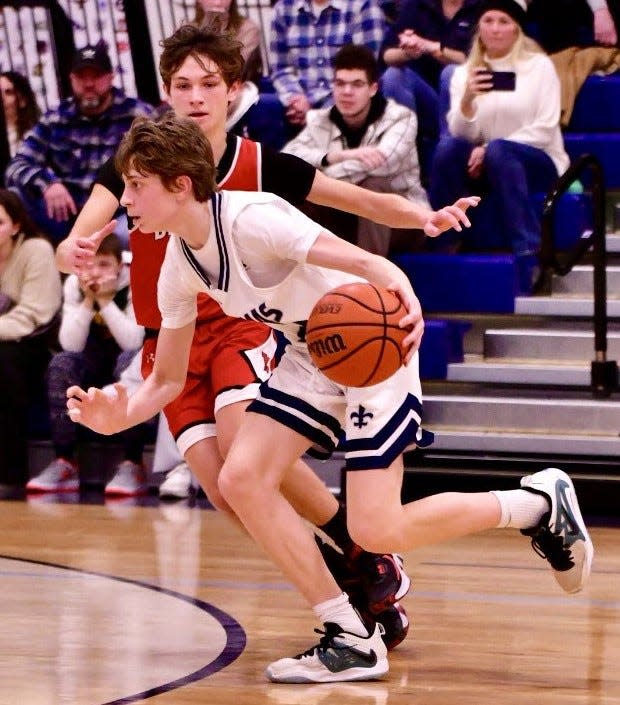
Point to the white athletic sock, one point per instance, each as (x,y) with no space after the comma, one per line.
(340,611)
(520,509)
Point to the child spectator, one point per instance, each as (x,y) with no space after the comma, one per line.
(30,300)
(99,336)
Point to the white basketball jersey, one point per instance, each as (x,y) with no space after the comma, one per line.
(234,258)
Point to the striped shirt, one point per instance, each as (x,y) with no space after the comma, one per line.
(69,147)
(304,44)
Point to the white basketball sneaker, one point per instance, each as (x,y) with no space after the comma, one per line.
(339,656)
(561,535)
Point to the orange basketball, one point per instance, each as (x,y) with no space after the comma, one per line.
(353,334)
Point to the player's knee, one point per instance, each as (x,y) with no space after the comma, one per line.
(371,535)
(233,485)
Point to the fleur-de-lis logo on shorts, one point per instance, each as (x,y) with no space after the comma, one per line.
(361,416)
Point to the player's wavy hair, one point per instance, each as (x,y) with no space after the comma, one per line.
(210,39)
(169,148)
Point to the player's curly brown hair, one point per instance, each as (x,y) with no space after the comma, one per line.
(210,40)
(169,147)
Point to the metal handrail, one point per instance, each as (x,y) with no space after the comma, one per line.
(604,372)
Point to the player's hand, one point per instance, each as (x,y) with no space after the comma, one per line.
(412,320)
(79,253)
(101,412)
(59,203)
(453,216)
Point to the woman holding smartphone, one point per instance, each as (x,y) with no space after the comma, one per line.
(505,141)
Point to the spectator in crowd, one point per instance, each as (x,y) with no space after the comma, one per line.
(30,300)
(305,37)
(363,139)
(21,110)
(99,337)
(560,24)
(505,140)
(248,33)
(428,36)
(55,165)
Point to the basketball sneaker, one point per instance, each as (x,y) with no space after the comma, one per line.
(178,483)
(351,580)
(561,535)
(395,623)
(384,580)
(129,480)
(339,656)
(60,475)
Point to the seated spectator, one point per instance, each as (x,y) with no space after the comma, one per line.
(100,337)
(428,36)
(305,37)
(30,300)
(363,139)
(247,32)
(505,141)
(55,165)
(560,24)
(21,110)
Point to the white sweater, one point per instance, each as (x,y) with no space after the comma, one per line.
(530,114)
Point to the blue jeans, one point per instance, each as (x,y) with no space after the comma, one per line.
(512,171)
(408,88)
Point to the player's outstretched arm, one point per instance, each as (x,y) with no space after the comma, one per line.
(389,208)
(108,414)
(76,252)
(333,253)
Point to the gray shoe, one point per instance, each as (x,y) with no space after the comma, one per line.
(59,476)
(129,480)
(561,535)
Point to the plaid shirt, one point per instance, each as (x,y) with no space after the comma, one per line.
(303,45)
(69,147)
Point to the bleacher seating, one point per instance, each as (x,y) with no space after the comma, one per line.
(595,125)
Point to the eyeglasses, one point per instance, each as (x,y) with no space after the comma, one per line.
(339,84)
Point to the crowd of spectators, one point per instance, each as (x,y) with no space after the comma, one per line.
(435,100)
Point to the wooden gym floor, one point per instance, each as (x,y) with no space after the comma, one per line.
(116,603)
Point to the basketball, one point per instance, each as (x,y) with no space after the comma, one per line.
(353,334)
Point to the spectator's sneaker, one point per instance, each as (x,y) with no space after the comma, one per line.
(339,656)
(59,476)
(395,623)
(384,580)
(129,480)
(177,484)
(561,535)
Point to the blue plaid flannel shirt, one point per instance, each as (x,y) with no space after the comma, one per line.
(69,147)
(303,45)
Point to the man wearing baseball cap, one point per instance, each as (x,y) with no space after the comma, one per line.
(55,165)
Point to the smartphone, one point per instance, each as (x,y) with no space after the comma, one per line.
(503,80)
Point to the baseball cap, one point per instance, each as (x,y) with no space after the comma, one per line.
(92,56)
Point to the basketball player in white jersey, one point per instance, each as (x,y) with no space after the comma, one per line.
(259,257)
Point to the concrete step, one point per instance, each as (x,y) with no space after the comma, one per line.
(520,373)
(548,414)
(563,306)
(553,345)
(580,281)
(480,441)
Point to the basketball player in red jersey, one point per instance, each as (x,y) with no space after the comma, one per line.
(200,69)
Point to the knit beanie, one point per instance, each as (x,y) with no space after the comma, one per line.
(513,8)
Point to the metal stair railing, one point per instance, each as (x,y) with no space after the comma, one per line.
(603,372)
